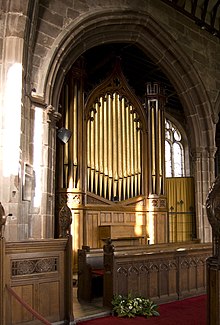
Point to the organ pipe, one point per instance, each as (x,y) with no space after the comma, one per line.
(114,148)
(156,126)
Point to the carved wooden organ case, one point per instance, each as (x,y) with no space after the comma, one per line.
(111,171)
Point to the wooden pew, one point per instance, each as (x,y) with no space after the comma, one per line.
(165,272)
(91,270)
(90,273)
(91,267)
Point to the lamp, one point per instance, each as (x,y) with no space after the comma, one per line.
(64,134)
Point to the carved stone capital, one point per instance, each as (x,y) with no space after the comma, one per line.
(52,115)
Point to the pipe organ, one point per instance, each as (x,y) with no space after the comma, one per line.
(111,171)
(114,163)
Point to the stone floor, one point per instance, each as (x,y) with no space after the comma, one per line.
(85,311)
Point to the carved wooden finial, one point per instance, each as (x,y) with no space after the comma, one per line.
(213,206)
(65,220)
(213,213)
(2,220)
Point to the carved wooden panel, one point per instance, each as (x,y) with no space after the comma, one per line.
(160,273)
(92,231)
(39,273)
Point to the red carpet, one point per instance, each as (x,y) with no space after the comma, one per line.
(190,311)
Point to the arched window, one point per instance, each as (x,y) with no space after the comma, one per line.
(179,188)
(174,151)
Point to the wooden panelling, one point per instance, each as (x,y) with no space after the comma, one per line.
(19,315)
(50,305)
(162,273)
(124,220)
(77,230)
(40,273)
(92,231)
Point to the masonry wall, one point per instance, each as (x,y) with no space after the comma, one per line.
(31,33)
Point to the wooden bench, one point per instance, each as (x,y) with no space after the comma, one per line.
(91,270)
(90,273)
(163,273)
(91,267)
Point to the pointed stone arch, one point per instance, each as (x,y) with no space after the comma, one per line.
(135,27)
(107,26)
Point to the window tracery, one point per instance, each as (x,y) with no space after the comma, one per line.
(174,151)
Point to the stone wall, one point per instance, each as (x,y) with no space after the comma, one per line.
(47,36)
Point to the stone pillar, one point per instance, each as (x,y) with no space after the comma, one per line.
(18,26)
(203,163)
(41,218)
(157,215)
(213,263)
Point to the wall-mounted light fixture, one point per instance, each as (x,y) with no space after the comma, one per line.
(64,134)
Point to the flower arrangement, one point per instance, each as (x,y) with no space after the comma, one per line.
(131,307)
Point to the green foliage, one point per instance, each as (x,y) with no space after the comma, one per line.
(131,307)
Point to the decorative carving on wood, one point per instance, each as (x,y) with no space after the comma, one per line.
(65,220)
(133,269)
(2,220)
(213,213)
(189,262)
(108,249)
(32,266)
(163,203)
(155,203)
(147,267)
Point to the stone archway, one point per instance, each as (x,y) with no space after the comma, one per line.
(106,27)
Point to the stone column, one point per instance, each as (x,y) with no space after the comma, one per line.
(15,19)
(41,218)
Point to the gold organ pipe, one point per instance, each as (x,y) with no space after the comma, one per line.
(135,156)
(159,153)
(70,142)
(60,149)
(65,158)
(119,117)
(110,153)
(124,146)
(132,149)
(115,143)
(75,138)
(96,145)
(162,152)
(88,154)
(92,141)
(153,162)
(105,142)
(128,148)
(139,157)
(101,146)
